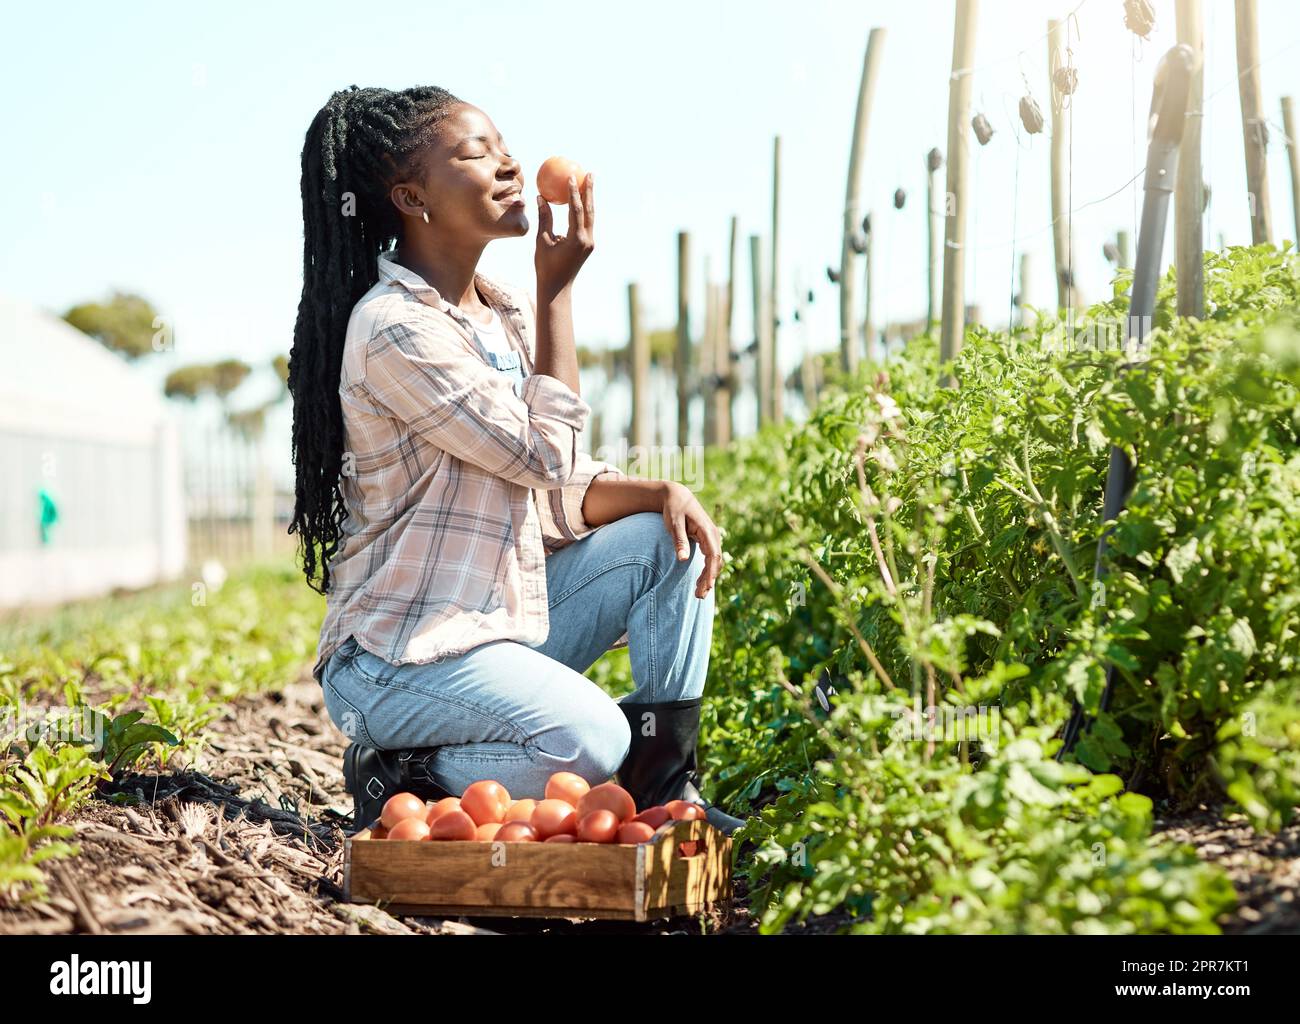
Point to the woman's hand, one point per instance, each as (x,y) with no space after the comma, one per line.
(684,518)
(559,259)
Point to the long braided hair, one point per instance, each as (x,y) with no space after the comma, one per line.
(358,145)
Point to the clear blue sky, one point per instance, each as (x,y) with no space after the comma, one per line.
(155,147)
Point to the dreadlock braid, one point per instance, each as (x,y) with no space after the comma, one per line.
(358,145)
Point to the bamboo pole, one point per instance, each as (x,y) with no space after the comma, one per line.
(762,364)
(954,250)
(1253,122)
(1189,201)
(773,315)
(1293,152)
(639,364)
(857,158)
(683,367)
(933,161)
(1062,243)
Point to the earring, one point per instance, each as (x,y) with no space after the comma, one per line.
(426,216)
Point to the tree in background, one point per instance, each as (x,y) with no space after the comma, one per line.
(126,323)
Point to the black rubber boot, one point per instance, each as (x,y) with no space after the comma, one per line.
(661,767)
(372,776)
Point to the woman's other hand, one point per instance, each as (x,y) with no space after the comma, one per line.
(559,258)
(684,517)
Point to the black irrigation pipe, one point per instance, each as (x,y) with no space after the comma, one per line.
(1168,115)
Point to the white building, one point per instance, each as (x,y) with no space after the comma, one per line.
(91,445)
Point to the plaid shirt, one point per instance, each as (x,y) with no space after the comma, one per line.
(457,480)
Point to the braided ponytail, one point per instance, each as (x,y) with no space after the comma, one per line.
(358,144)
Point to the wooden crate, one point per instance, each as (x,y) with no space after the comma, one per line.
(683,869)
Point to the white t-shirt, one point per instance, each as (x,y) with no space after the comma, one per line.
(492,336)
(493,333)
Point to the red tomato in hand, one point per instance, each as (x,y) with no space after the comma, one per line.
(598,827)
(453,825)
(551,817)
(485,802)
(516,832)
(566,786)
(401,806)
(553,178)
(609,796)
(409,828)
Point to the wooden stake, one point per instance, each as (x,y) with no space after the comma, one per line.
(683,361)
(1189,195)
(1026,317)
(807,373)
(1062,243)
(869,320)
(708,350)
(954,251)
(857,157)
(1293,152)
(933,219)
(721,367)
(1124,243)
(1253,123)
(724,340)
(773,315)
(762,364)
(639,364)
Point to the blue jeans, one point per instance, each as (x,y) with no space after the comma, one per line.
(517,714)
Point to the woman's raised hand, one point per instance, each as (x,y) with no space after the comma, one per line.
(559,258)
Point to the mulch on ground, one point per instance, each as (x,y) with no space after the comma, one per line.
(250,840)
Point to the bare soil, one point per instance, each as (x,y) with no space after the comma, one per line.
(250,840)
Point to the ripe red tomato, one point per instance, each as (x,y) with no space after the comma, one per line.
(401,806)
(486,833)
(521,810)
(552,817)
(453,825)
(654,816)
(635,832)
(566,786)
(684,810)
(436,811)
(598,827)
(485,801)
(517,832)
(562,837)
(409,828)
(609,796)
(553,178)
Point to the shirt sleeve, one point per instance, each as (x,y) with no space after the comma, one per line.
(560,509)
(445,393)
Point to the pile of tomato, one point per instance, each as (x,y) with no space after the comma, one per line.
(570,812)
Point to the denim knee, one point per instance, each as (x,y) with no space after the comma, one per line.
(603,743)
